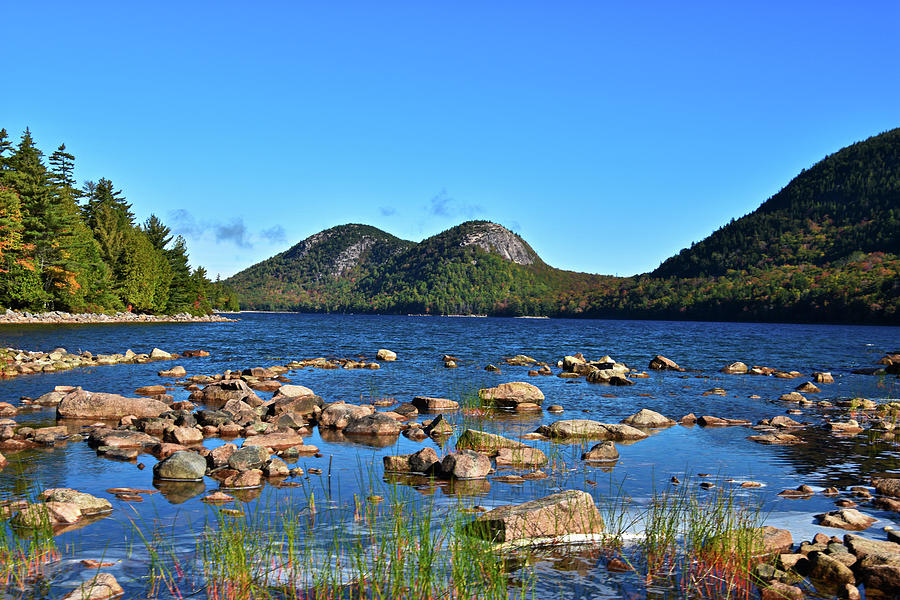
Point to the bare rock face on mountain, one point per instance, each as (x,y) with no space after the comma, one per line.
(499,240)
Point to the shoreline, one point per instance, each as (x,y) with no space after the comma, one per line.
(11,317)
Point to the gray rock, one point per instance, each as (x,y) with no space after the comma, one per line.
(181,466)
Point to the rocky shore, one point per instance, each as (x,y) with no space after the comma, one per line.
(56,317)
(15,362)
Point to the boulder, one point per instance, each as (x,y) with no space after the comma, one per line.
(177,371)
(846,518)
(423,461)
(571,512)
(661,363)
(81,404)
(339,415)
(437,428)
(87,504)
(648,419)
(99,587)
(248,457)
(386,355)
(219,393)
(181,466)
(735,368)
(887,487)
(604,451)
(808,387)
(793,397)
(8,410)
(823,377)
(373,424)
(47,513)
(186,436)
(828,569)
(157,354)
(509,395)
(524,457)
(3,461)
(482,441)
(427,404)
(587,429)
(775,540)
(466,464)
(777,590)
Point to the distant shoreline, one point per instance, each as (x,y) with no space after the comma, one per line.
(11,317)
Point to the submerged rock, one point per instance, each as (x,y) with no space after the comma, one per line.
(99,587)
(571,512)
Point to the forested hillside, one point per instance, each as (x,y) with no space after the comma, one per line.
(65,247)
(824,249)
(845,206)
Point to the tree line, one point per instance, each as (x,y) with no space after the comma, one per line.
(77,249)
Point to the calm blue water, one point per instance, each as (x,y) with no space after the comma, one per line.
(703,348)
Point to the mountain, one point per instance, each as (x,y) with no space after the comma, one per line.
(823,249)
(847,203)
(318,271)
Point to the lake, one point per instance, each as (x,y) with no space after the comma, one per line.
(643,469)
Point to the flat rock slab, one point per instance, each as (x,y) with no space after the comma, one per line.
(566,513)
(846,518)
(81,404)
(710,421)
(275,441)
(595,430)
(783,439)
(86,503)
(427,404)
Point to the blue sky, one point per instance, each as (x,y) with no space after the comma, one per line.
(609,135)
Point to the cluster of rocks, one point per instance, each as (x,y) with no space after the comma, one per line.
(740,368)
(57,508)
(14,362)
(60,317)
(837,566)
(889,365)
(605,370)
